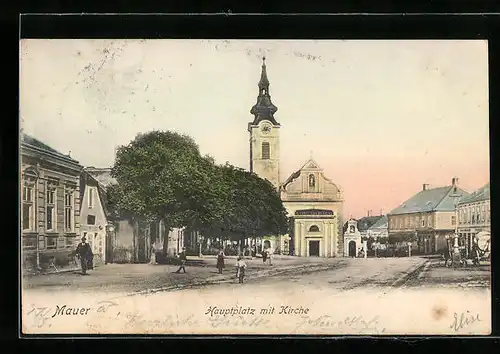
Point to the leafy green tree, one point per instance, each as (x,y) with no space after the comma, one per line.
(254,208)
(160,177)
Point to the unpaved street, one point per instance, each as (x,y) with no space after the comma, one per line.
(344,296)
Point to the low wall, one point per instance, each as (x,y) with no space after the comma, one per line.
(123,254)
(61,258)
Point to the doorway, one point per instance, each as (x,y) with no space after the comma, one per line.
(352,248)
(313,248)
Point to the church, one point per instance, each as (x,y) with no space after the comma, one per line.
(314,202)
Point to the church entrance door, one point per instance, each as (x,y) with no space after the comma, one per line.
(352,248)
(314,248)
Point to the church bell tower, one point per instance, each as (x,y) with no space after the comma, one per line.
(265,134)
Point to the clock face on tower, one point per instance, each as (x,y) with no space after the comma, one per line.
(266,128)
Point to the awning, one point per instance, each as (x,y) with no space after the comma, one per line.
(483,239)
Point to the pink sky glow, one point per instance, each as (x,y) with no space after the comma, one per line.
(381,117)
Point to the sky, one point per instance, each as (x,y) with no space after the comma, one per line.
(380,117)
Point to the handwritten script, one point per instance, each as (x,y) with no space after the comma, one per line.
(356,323)
(40,315)
(464,319)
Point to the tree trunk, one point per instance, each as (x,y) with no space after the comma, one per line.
(242,242)
(134,243)
(166,231)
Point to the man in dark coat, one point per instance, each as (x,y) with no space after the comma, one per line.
(220,261)
(182,258)
(84,252)
(475,252)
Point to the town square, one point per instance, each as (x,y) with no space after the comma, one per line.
(286,176)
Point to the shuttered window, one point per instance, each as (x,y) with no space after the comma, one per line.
(266,153)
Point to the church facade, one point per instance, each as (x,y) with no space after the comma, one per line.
(314,203)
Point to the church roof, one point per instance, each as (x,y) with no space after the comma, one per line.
(480,194)
(435,199)
(264,109)
(310,164)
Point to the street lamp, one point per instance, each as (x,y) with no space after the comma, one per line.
(409,249)
(456,198)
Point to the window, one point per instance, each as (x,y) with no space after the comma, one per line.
(90,219)
(51,242)
(68,210)
(423,222)
(453,220)
(28,208)
(91,197)
(429,221)
(266,154)
(70,241)
(50,210)
(315,228)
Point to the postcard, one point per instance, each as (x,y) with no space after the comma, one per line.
(226,187)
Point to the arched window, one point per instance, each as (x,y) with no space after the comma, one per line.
(266,153)
(314,228)
(312,181)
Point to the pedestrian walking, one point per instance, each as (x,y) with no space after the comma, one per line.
(84,253)
(475,252)
(270,258)
(220,261)
(446,256)
(153,254)
(240,269)
(182,258)
(264,256)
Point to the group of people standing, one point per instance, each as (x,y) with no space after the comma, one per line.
(240,266)
(240,263)
(457,254)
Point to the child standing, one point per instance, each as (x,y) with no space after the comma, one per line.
(240,269)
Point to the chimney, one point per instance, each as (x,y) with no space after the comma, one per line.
(454,181)
(425,186)
(381,212)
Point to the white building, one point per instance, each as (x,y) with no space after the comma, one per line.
(314,203)
(474,217)
(352,239)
